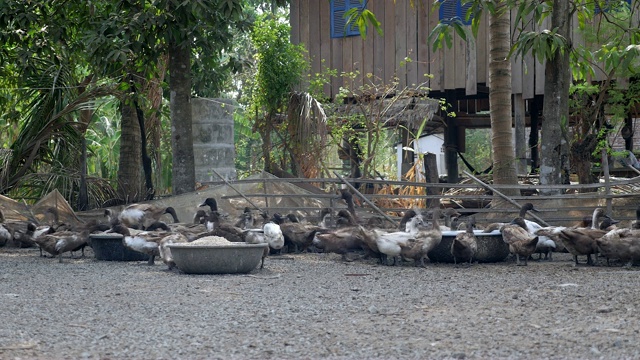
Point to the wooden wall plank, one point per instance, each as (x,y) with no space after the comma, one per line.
(449,56)
(357,58)
(401,42)
(436,58)
(367,52)
(336,63)
(460,62)
(423,42)
(389,43)
(325,41)
(412,45)
(314,36)
(378,8)
(482,54)
(471,82)
(347,61)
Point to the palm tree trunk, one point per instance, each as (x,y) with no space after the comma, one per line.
(183,173)
(554,152)
(129,174)
(504,169)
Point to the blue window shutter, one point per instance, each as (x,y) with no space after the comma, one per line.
(338,21)
(452,9)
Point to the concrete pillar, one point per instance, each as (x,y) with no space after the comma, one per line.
(213,138)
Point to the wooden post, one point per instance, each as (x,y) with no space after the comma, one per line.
(520,126)
(451,139)
(431,176)
(607,180)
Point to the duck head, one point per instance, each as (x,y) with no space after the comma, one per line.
(211,203)
(171,211)
(277,219)
(118,228)
(158,225)
(527,207)
(199,217)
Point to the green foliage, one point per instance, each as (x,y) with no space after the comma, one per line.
(280,64)
(478,151)
(363,18)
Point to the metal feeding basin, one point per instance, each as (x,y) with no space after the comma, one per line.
(109,247)
(229,258)
(491,247)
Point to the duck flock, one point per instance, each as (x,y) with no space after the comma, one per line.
(419,232)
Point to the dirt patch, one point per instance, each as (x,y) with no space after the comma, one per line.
(316,305)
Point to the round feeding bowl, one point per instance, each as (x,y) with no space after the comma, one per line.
(109,247)
(230,258)
(491,247)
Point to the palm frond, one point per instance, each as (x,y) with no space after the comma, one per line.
(50,130)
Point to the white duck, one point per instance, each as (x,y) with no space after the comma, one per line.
(391,243)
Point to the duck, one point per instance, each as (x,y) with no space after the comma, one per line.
(623,244)
(608,224)
(521,242)
(635,224)
(345,219)
(139,216)
(146,242)
(246,220)
(423,241)
(341,240)
(325,220)
(25,239)
(270,234)
(391,244)
(164,251)
(6,232)
(301,237)
(449,214)
(546,245)
(217,227)
(582,241)
(298,235)
(211,203)
(200,217)
(347,196)
(408,215)
(59,242)
(465,245)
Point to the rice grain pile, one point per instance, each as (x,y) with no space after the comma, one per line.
(211,240)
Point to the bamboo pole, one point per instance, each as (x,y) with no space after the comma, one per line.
(365,199)
(236,190)
(503,196)
(607,181)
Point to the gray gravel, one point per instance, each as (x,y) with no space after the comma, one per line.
(316,306)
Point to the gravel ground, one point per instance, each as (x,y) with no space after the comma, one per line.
(316,306)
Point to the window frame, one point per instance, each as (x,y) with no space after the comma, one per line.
(455,8)
(338,22)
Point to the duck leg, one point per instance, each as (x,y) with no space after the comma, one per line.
(589,260)
(152,260)
(60,258)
